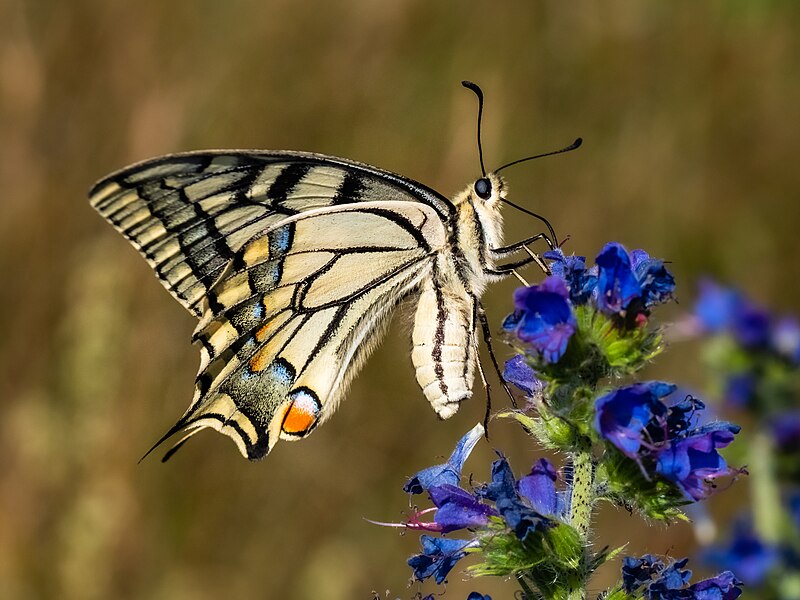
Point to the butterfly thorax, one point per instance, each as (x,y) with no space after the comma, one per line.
(478,228)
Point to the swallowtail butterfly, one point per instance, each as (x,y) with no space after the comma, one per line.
(293,262)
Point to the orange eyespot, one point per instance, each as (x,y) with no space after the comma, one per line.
(303,413)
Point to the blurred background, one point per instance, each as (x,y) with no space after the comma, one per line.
(689,113)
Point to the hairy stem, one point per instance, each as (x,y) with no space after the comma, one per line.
(580,510)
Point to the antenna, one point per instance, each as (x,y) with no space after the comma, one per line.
(573,146)
(479,93)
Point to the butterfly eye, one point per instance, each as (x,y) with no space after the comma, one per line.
(483,188)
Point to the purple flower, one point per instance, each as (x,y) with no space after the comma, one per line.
(746,554)
(543,318)
(580,281)
(622,416)
(693,463)
(438,557)
(478,596)
(521,518)
(519,373)
(449,472)
(617,285)
(458,509)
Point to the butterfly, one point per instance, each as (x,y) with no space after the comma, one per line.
(293,261)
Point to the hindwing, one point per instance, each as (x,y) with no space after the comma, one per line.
(290,321)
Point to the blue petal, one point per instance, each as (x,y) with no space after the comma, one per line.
(539,488)
(439,556)
(656,282)
(752,327)
(638,571)
(478,596)
(449,472)
(458,509)
(617,285)
(724,586)
(693,462)
(623,415)
(546,321)
(572,269)
(522,520)
(519,373)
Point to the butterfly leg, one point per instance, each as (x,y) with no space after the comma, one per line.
(487,338)
(508,268)
(504,251)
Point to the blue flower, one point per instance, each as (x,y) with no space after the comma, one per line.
(740,389)
(717,307)
(543,318)
(786,431)
(672,578)
(572,269)
(638,571)
(438,557)
(724,586)
(521,518)
(647,577)
(746,554)
(622,416)
(628,285)
(642,427)
(693,462)
(478,596)
(752,327)
(617,285)
(656,282)
(458,509)
(449,472)
(519,373)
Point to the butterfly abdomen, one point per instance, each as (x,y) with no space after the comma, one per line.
(443,340)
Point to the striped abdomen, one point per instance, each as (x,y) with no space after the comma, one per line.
(444,344)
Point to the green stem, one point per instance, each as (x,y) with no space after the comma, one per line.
(580,510)
(767,509)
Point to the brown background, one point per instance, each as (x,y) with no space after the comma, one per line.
(690,115)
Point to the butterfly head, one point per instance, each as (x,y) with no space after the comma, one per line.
(489,190)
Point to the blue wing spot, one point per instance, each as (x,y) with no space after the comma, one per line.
(279,240)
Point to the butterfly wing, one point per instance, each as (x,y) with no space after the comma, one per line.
(298,309)
(188,214)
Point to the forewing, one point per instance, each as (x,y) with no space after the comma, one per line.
(189,214)
(298,309)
